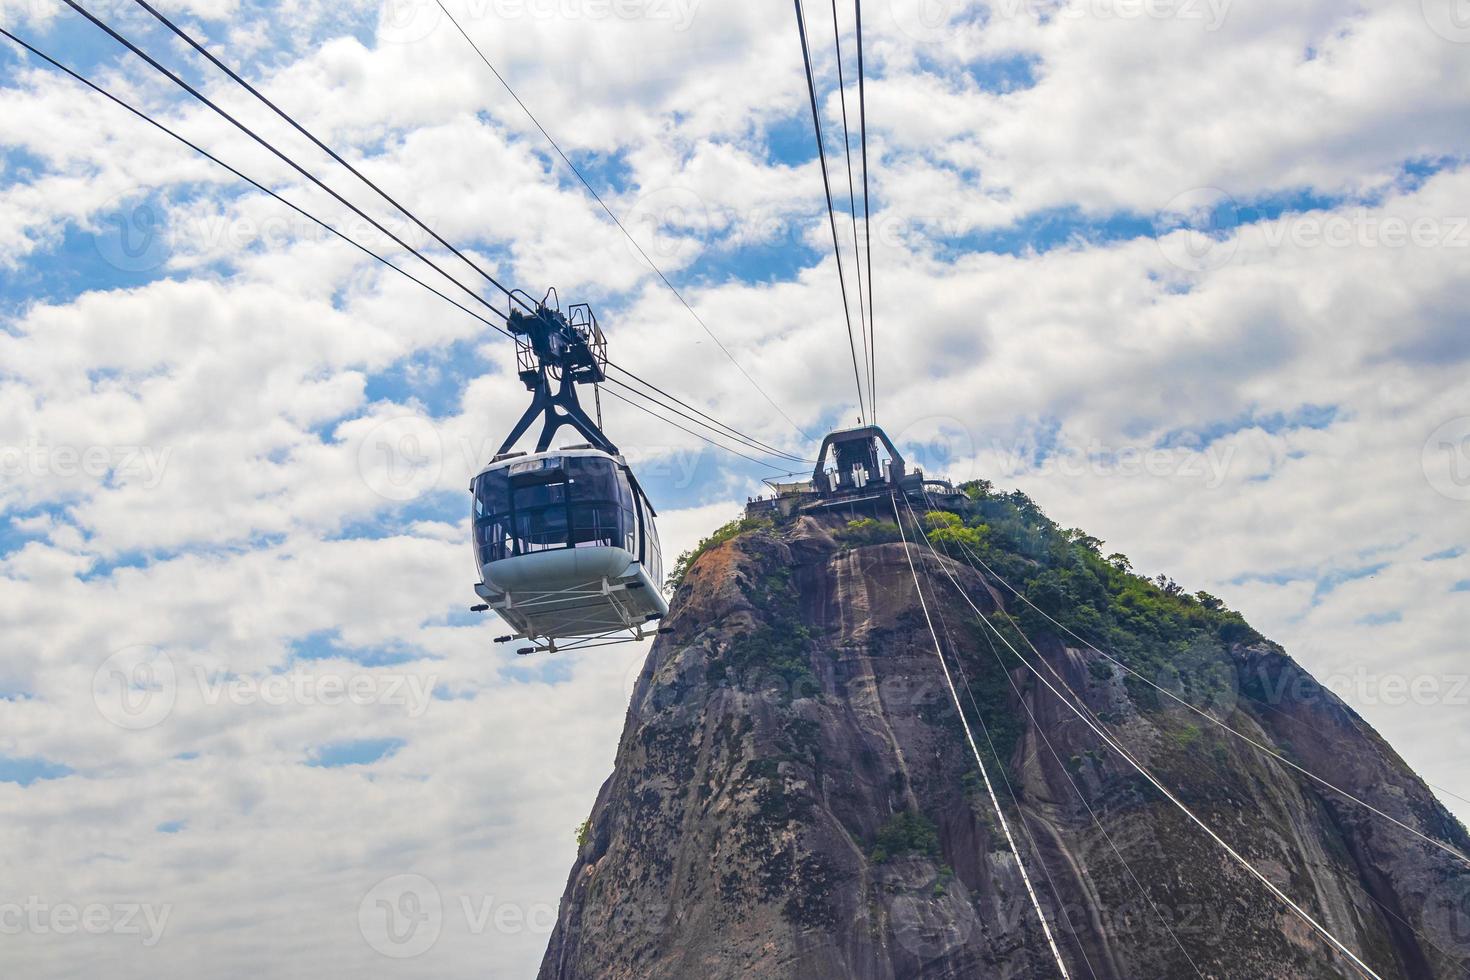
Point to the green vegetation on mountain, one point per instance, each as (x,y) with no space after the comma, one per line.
(1148,623)
(906,833)
(724,533)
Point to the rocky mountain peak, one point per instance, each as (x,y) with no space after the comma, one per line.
(794,795)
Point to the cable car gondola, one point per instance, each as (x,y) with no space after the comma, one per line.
(565,540)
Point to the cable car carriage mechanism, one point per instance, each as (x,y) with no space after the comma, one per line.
(565,541)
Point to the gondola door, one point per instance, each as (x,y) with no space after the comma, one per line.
(540,511)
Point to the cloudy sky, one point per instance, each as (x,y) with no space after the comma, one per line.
(1190,272)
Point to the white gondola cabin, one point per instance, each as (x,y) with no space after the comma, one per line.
(566,546)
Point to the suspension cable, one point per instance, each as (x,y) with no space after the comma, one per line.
(692,432)
(189,40)
(852,209)
(1388,910)
(1056,757)
(369,252)
(754,442)
(200,96)
(196,45)
(1001,766)
(254,183)
(867,218)
(655,399)
(618,222)
(1009,618)
(1453,852)
(811,84)
(785,458)
(975,750)
(1168,794)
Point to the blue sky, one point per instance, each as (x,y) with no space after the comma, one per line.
(358,753)
(24,772)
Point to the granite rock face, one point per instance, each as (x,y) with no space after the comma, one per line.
(794,797)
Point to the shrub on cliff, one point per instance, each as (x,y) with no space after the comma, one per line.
(867,531)
(906,833)
(686,561)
